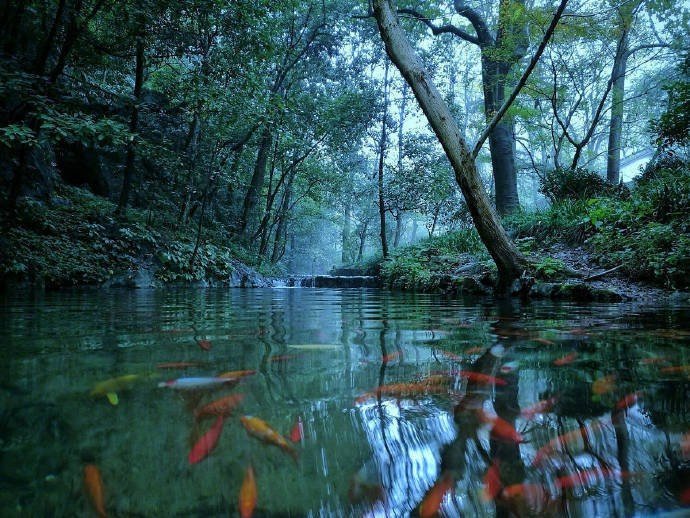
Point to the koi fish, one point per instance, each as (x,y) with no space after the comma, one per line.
(565,360)
(481,378)
(94,487)
(222,407)
(248,494)
(628,401)
(500,428)
(492,482)
(566,439)
(297,432)
(390,357)
(282,357)
(432,500)
(541,407)
(604,385)
(109,388)
(236,374)
(194,383)
(543,341)
(474,350)
(207,442)
(177,365)
(584,478)
(204,345)
(262,431)
(652,361)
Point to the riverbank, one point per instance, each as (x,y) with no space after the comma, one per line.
(624,244)
(74,239)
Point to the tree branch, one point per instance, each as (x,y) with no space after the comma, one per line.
(443,29)
(533,63)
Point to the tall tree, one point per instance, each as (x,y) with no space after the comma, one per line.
(509,261)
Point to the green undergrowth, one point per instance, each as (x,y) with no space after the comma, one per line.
(75,240)
(421,266)
(646,232)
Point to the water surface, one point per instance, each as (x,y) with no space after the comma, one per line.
(396,393)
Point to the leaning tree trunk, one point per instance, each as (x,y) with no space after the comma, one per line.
(509,261)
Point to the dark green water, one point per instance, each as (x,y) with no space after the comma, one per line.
(377,456)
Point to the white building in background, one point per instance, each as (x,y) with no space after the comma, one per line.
(632,166)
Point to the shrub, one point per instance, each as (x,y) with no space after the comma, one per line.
(575,184)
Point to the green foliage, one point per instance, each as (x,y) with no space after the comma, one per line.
(574,184)
(648,233)
(549,267)
(418,266)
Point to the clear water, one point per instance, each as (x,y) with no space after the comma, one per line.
(375,456)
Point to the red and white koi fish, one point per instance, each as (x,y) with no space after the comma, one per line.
(204,345)
(194,383)
(207,442)
(628,401)
(567,439)
(541,407)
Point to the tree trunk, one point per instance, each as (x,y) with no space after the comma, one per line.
(362,241)
(382,156)
(345,256)
(620,64)
(509,261)
(133,124)
(398,229)
(501,137)
(257,182)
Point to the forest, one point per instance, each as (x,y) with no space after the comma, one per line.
(196,138)
(332,258)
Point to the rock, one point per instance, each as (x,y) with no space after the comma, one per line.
(541,290)
(472,286)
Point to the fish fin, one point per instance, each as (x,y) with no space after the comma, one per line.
(112,397)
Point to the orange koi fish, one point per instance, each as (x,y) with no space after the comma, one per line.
(432,500)
(565,360)
(297,432)
(492,482)
(500,428)
(207,442)
(94,487)
(628,401)
(584,478)
(204,345)
(177,365)
(262,431)
(222,407)
(604,385)
(481,378)
(567,439)
(543,341)
(541,407)
(390,357)
(248,494)
(652,361)
(236,374)
(475,350)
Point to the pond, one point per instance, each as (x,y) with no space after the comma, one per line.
(375,404)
